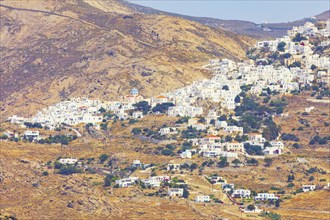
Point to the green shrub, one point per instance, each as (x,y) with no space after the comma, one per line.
(290,185)
(67,170)
(167,152)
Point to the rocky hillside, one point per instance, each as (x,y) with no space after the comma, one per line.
(52,50)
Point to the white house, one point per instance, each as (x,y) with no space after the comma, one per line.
(10,134)
(272,151)
(210,139)
(16,120)
(221,124)
(126,181)
(160,178)
(175,192)
(228,186)
(137,114)
(211,153)
(186,154)
(256,139)
(216,180)
(68,161)
(228,154)
(235,146)
(278,144)
(241,193)
(136,163)
(232,129)
(202,198)
(32,135)
(158,100)
(212,115)
(164,131)
(182,111)
(308,110)
(265,196)
(307,188)
(151,182)
(199,126)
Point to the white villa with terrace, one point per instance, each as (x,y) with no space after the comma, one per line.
(202,199)
(126,182)
(265,196)
(178,192)
(241,193)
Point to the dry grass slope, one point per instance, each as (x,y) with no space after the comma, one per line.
(52,50)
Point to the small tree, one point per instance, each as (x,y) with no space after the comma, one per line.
(162,108)
(296,145)
(237,99)
(223,162)
(251,207)
(142,106)
(102,110)
(167,152)
(267,144)
(228,138)
(270,202)
(281,46)
(286,55)
(202,120)
(299,37)
(67,170)
(109,179)
(185,193)
(268,162)
(295,64)
(58,165)
(253,161)
(290,178)
(136,131)
(222,118)
(104,127)
(193,167)
(313,67)
(88,125)
(291,185)
(236,162)
(103,158)
(277,203)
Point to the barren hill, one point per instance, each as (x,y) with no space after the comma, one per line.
(52,50)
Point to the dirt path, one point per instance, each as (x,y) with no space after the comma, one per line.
(56,14)
(75,130)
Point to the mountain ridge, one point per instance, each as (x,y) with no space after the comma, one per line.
(249,28)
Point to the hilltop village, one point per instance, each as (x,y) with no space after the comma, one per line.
(216,119)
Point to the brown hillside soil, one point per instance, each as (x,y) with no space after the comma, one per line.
(312,205)
(53,50)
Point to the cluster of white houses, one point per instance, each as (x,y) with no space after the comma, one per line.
(302,50)
(214,145)
(223,88)
(308,30)
(28,134)
(240,193)
(156,181)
